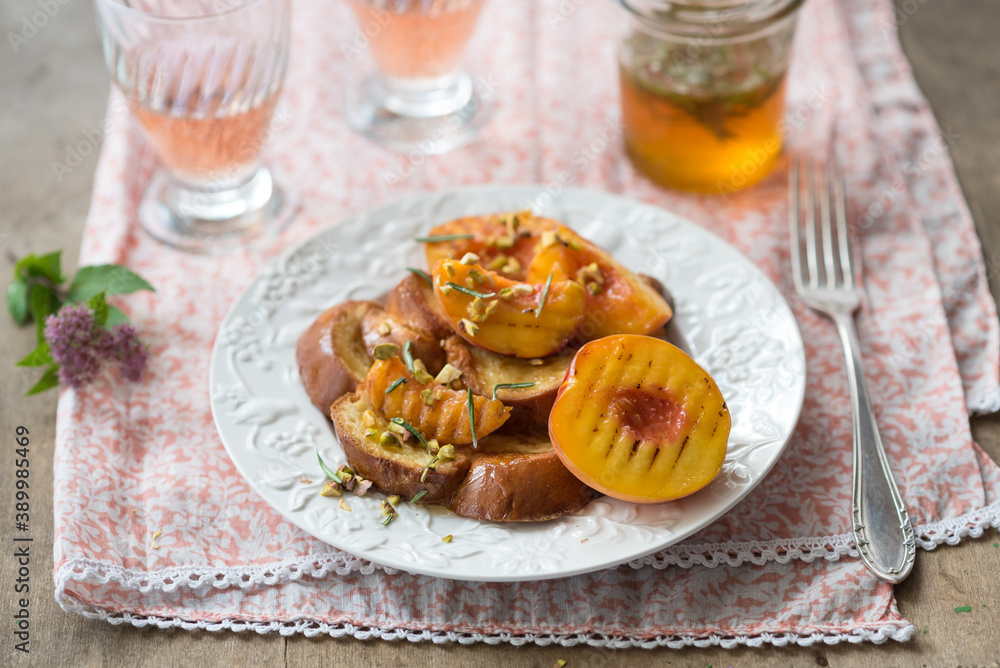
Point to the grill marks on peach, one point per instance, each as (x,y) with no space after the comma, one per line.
(638,419)
(447,420)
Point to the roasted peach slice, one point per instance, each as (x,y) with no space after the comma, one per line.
(504,316)
(432,408)
(618,301)
(506,242)
(639,420)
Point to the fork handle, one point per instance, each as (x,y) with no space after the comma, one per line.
(882,530)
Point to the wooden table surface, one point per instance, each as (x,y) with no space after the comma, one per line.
(52,95)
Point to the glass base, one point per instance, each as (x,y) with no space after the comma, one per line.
(431,117)
(217,222)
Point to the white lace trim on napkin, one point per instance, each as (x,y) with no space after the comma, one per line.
(877,635)
(203,580)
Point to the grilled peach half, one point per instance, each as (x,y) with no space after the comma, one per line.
(433,409)
(639,420)
(505,316)
(506,242)
(618,301)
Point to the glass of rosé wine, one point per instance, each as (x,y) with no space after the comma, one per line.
(420,98)
(202,78)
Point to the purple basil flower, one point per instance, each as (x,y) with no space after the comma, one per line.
(72,340)
(131,354)
(80,347)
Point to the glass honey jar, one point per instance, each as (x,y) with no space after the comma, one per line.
(703,88)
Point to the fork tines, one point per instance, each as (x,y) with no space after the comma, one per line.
(816,198)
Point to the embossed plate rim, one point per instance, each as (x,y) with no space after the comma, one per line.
(520,551)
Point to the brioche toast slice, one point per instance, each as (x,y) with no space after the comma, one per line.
(334,353)
(518,479)
(507,479)
(331,354)
(412,301)
(395,469)
(483,370)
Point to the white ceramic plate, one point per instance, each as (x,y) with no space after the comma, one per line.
(733,320)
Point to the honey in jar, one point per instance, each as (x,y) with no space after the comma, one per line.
(702,90)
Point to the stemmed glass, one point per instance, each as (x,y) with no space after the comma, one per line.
(420,98)
(203,79)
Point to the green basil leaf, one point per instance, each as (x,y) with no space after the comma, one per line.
(48,265)
(48,380)
(17,300)
(40,356)
(111,279)
(115,317)
(99,306)
(43,303)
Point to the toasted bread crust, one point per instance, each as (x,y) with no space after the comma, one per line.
(426,347)
(330,354)
(412,301)
(482,370)
(520,487)
(395,470)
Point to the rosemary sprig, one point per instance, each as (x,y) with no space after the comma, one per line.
(510,386)
(413,430)
(472,420)
(388,518)
(396,383)
(332,475)
(408,356)
(430,465)
(443,237)
(545,294)
(421,273)
(419,495)
(472,293)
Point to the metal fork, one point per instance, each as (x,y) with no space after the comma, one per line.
(882,530)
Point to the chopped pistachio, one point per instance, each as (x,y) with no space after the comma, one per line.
(537,361)
(522,289)
(363,487)
(468,327)
(446,453)
(422,377)
(394,500)
(505,242)
(344,505)
(385,351)
(433,446)
(446,539)
(304,480)
(369,418)
(344,468)
(497,262)
(476,306)
(549,238)
(573,244)
(372,434)
(469,258)
(388,439)
(330,488)
(427,396)
(446,289)
(594,288)
(384,329)
(512,267)
(506,293)
(447,374)
(387,506)
(491,307)
(397,428)
(477,276)
(449,268)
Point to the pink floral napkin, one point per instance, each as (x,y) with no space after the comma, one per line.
(780,568)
